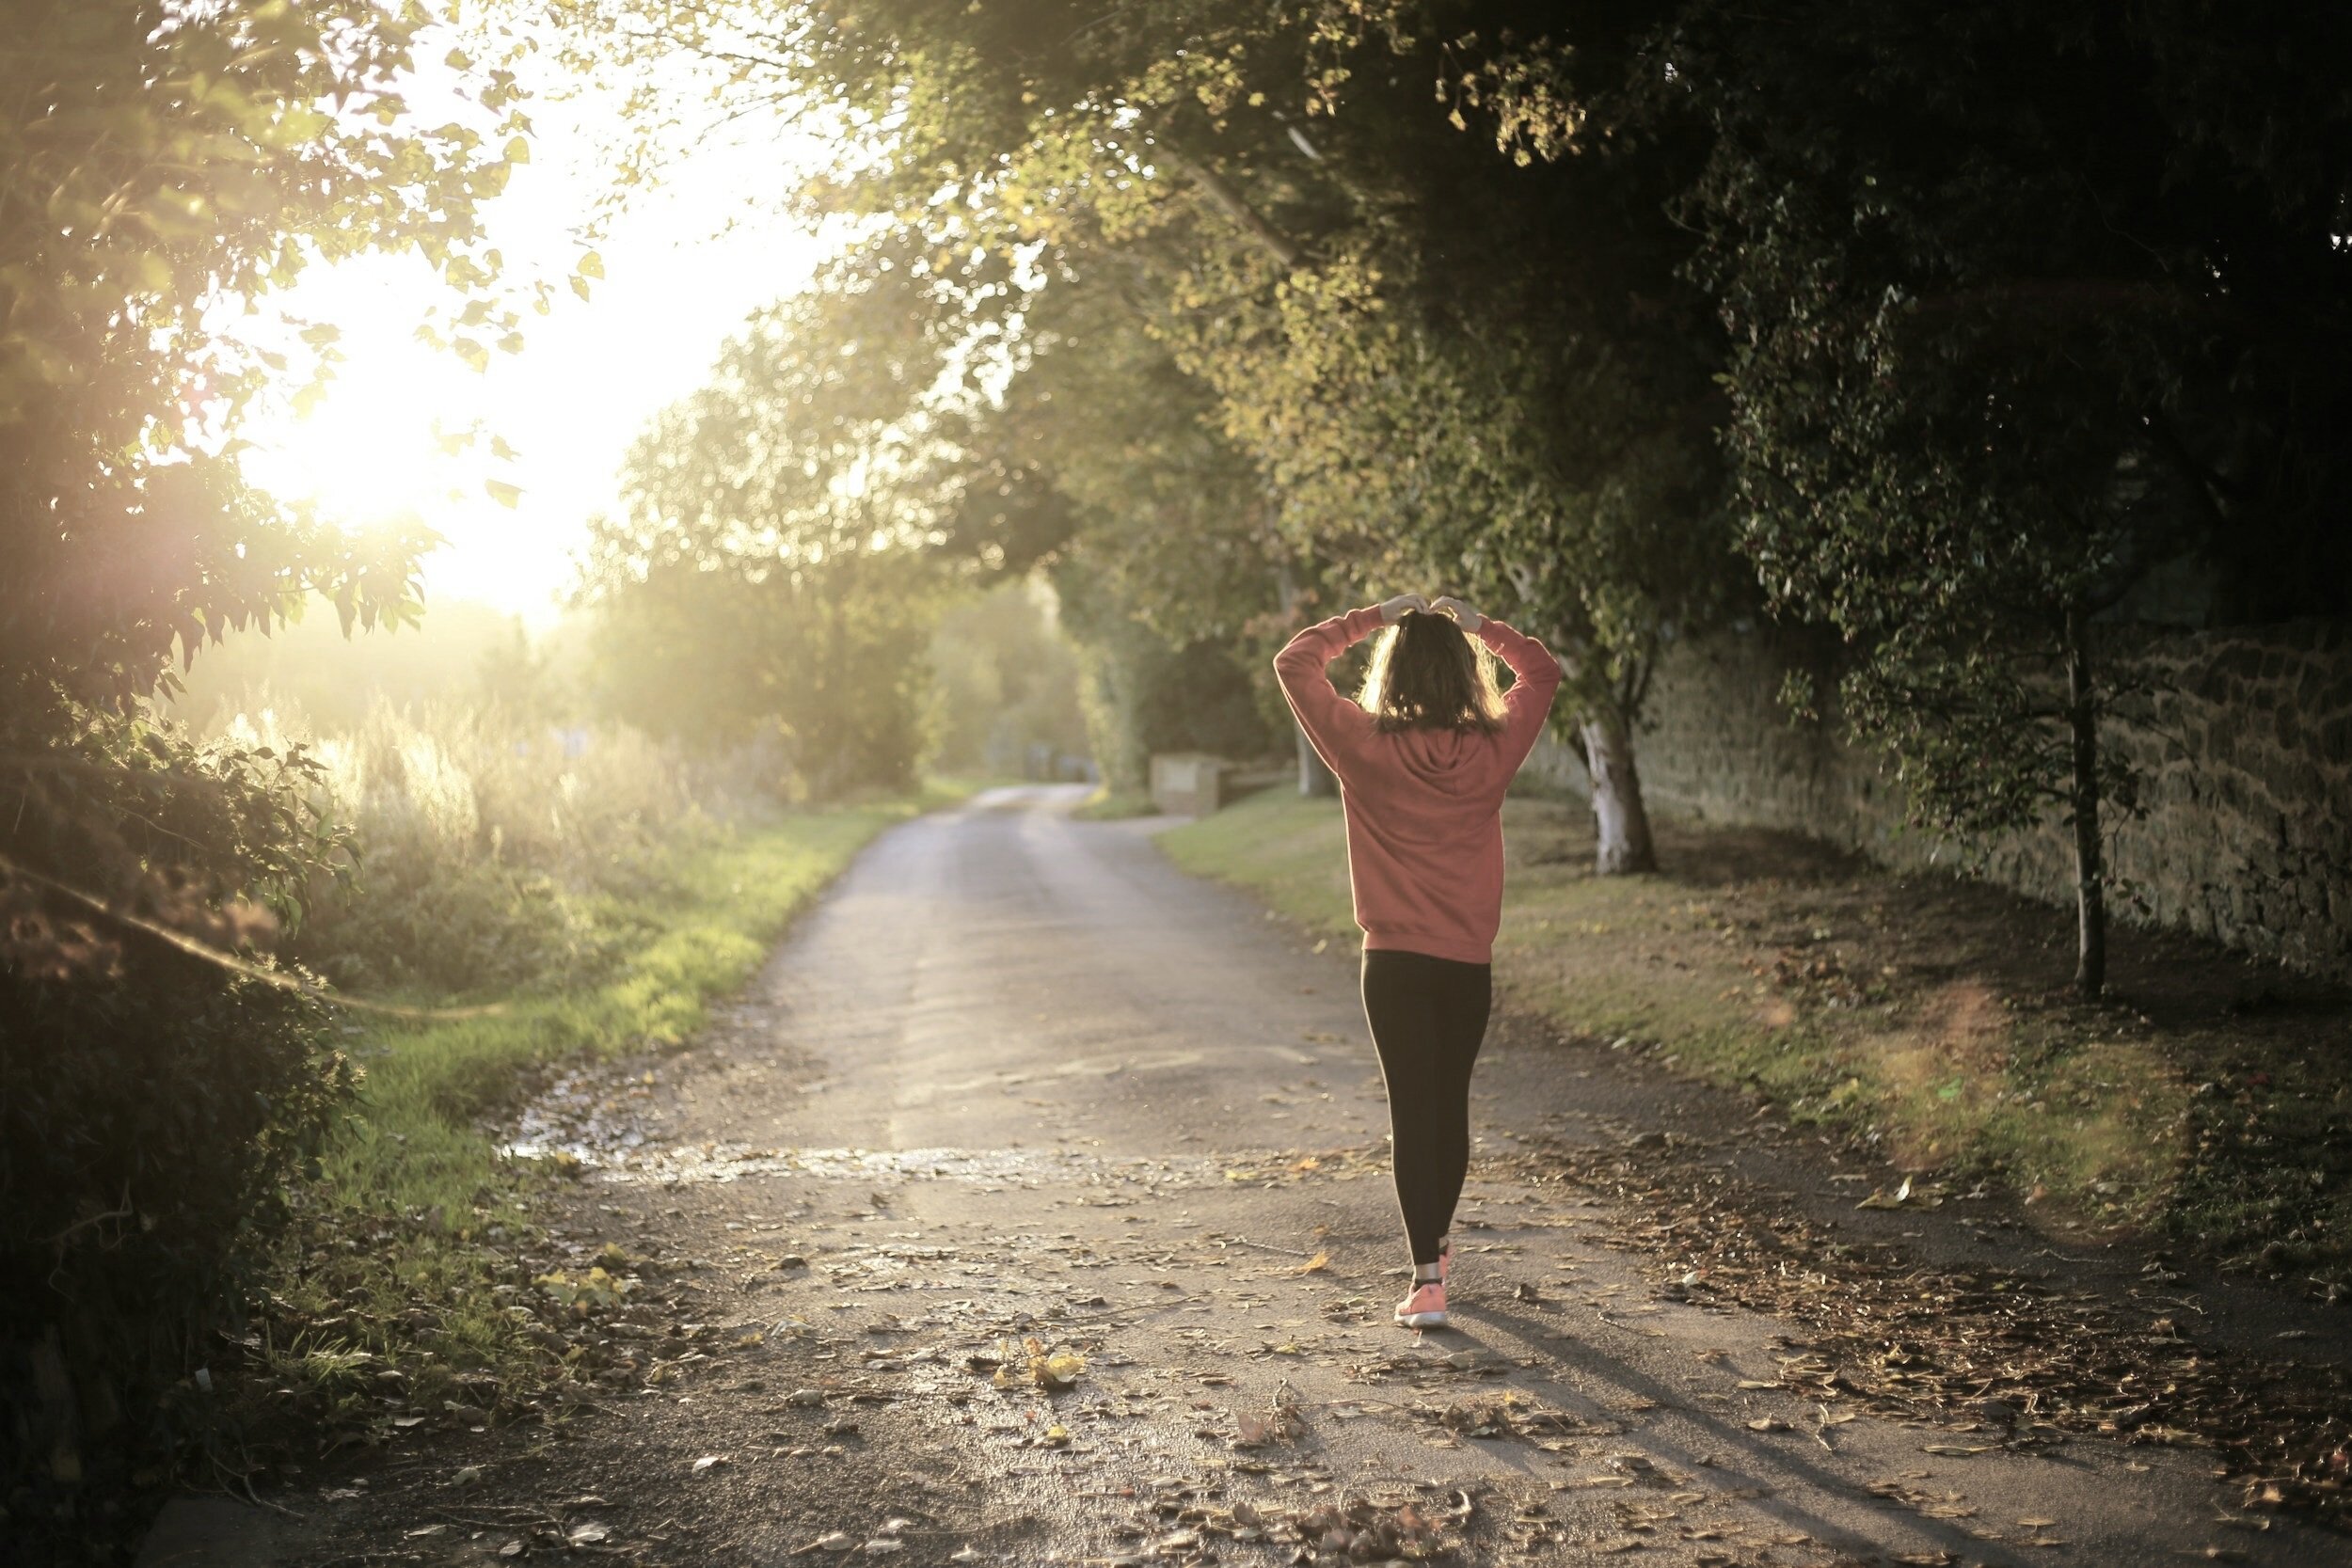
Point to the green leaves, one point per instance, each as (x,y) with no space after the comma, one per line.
(171,170)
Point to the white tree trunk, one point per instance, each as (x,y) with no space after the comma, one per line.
(1620,821)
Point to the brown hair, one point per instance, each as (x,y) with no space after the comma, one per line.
(1428,675)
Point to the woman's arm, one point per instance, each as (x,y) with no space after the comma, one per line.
(1535,676)
(1334,725)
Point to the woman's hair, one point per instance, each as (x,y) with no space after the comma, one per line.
(1428,675)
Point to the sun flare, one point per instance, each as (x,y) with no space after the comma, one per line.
(372,448)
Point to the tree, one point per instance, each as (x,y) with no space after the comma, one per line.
(1176,577)
(1428,383)
(161,165)
(158,163)
(1456,395)
(779,560)
(2027,302)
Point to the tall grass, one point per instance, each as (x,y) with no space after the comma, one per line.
(496,852)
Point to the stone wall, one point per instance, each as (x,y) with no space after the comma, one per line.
(2243,742)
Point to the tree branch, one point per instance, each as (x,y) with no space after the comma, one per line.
(1228,201)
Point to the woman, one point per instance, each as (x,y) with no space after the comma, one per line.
(1422,757)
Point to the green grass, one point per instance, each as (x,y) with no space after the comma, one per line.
(405,1249)
(1925,1013)
(1108,805)
(415,1143)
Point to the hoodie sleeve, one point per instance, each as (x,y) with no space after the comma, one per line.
(1337,727)
(1536,677)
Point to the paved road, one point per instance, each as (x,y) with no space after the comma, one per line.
(1017,1077)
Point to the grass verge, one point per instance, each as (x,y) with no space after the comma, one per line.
(2200,1103)
(403,1294)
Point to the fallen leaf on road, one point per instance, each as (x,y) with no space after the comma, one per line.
(1033,1364)
(588,1535)
(1316,1264)
(710,1462)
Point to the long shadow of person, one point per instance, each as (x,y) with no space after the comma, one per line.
(1774,1478)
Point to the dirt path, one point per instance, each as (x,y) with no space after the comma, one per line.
(1018,1080)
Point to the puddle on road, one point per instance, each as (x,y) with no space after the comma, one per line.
(591,1121)
(638,1162)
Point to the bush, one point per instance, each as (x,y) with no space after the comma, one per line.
(493,853)
(148,1120)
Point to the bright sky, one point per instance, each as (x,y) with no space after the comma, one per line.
(682,269)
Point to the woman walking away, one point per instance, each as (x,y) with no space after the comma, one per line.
(1423,757)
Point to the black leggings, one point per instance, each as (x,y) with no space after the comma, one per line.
(1428,1016)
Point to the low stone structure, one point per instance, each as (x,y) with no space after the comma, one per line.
(1189,784)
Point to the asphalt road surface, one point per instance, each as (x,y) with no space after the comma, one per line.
(1016,1078)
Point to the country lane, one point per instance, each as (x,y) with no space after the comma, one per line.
(1016,1079)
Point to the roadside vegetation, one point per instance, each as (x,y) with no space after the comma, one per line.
(412,1289)
(528,897)
(2199,1104)
(531,891)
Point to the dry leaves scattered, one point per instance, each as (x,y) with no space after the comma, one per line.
(2006,1359)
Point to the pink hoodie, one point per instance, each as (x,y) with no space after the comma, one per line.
(1424,823)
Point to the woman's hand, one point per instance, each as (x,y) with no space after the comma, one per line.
(1449,605)
(1392,610)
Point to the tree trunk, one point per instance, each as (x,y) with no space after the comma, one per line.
(1620,821)
(1314,780)
(2091,903)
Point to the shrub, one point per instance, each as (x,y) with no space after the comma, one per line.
(149,1118)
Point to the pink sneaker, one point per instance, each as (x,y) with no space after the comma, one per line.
(1424,1307)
